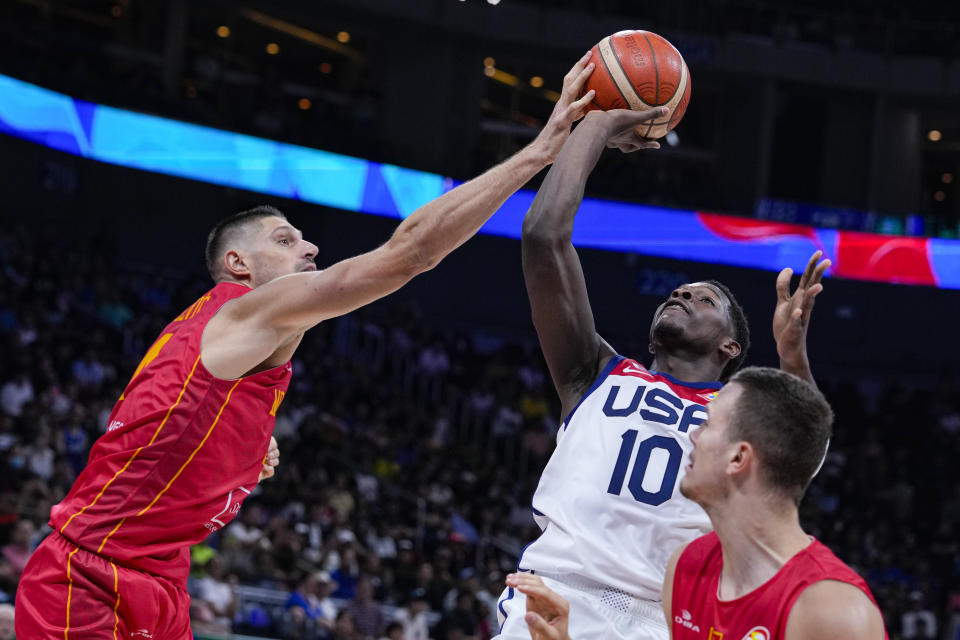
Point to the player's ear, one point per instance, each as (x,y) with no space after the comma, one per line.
(731,347)
(742,455)
(651,349)
(235,264)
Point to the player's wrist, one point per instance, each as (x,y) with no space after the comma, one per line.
(601,121)
(536,155)
(798,365)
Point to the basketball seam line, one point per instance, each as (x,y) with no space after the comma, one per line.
(656,77)
(612,79)
(613,51)
(673,115)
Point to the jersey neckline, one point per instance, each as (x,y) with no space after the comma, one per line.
(766,583)
(716,384)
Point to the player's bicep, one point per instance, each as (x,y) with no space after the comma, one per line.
(561,312)
(294,303)
(249,329)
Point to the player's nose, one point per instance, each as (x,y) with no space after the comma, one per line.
(682,292)
(310,250)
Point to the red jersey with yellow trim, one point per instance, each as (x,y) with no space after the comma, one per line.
(181,452)
(697,613)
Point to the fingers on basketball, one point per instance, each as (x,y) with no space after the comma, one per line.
(639,69)
(579,108)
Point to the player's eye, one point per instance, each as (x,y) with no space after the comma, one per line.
(710,300)
(284,241)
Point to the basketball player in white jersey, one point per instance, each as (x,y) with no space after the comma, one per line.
(608,501)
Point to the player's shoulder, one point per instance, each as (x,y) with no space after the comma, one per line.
(830,609)
(210,301)
(823,561)
(698,551)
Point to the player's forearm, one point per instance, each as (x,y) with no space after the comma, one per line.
(440,226)
(553,210)
(800,368)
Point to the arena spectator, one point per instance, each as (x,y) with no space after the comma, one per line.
(215,590)
(16,393)
(413,616)
(6,622)
(19,549)
(345,628)
(376,480)
(462,623)
(919,623)
(366,612)
(304,602)
(394,631)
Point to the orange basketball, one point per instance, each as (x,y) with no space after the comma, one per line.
(640,70)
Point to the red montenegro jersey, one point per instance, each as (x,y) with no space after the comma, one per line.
(697,613)
(181,452)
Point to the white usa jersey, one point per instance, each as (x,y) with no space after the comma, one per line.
(608,501)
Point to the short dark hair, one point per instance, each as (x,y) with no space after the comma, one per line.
(741,331)
(788,422)
(227,230)
(393,626)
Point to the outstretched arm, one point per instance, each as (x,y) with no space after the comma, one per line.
(574,352)
(791,318)
(248,330)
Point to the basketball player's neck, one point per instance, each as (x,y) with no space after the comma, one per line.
(245,283)
(758,536)
(687,366)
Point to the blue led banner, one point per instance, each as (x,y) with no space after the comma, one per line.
(176,148)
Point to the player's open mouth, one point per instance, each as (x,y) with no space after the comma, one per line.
(309,267)
(674,305)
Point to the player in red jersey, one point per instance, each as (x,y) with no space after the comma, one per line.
(758,576)
(188,439)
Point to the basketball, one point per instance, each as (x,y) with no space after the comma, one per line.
(640,70)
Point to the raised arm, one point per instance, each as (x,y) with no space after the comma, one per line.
(250,329)
(791,317)
(574,352)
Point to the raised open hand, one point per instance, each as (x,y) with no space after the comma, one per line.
(569,108)
(791,317)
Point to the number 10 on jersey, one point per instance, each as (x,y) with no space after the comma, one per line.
(643,488)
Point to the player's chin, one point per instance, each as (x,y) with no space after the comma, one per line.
(670,325)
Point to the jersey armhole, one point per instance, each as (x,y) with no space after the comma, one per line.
(610,366)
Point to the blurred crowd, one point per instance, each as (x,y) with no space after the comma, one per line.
(409,455)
